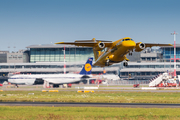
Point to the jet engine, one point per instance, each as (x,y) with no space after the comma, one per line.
(139,47)
(29,82)
(100,46)
(34,82)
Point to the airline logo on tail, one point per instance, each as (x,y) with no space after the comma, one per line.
(87,67)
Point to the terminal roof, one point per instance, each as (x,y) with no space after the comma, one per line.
(53,46)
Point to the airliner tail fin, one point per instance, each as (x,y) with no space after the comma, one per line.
(86,70)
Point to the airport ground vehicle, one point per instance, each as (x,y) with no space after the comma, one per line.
(136,85)
(164,80)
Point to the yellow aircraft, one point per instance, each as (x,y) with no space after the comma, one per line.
(107,52)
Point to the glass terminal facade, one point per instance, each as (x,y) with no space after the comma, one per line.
(168,53)
(145,71)
(56,54)
(152,66)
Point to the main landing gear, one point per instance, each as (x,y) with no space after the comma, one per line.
(55,86)
(130,54)
(125,63)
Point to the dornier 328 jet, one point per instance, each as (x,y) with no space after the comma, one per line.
(107,52)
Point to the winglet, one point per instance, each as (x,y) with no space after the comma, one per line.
(86,70)
(94,39)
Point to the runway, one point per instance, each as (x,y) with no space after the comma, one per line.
(62,104)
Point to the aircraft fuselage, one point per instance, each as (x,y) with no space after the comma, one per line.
(117,52)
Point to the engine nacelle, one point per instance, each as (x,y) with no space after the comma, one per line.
(34,82)
(100,46)
(30,82)
(140,47)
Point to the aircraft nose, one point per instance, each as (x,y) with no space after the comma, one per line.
(129,44)
(132,44)
(9,80)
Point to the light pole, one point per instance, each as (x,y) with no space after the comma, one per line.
(64,61)
(174,54)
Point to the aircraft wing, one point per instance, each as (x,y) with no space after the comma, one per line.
(141,46)
(156,44)
(87,44)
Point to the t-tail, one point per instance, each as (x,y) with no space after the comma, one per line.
(86,70)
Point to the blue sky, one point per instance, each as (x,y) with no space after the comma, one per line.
(29,22)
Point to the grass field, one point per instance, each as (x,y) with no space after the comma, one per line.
(88,113)
(106,97)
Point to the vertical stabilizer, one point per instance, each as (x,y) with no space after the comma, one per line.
(86,70)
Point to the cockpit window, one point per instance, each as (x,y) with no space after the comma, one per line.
(127,40)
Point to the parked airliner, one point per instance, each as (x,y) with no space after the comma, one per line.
(55,79)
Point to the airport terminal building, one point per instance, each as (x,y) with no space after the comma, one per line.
(48,59)
(152,62)
(55,53)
